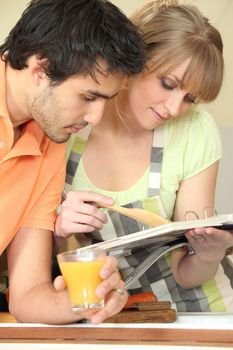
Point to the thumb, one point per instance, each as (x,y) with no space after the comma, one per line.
(59,283)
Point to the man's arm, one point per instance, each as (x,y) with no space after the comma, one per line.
(33,297)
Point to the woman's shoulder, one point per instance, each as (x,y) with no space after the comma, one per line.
(203,120)
(197,124)
(194,141)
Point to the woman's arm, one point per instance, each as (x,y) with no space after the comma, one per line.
(196,193)
(209,244)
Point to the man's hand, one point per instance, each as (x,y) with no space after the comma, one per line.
(114,301)
(80,213)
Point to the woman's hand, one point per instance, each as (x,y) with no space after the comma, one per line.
(111,290)
(210,244)
(80,213)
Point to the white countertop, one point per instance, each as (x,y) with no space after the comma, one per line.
(184,321)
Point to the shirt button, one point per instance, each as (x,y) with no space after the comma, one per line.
(2,144)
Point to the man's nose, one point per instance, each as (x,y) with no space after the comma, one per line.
(95,113)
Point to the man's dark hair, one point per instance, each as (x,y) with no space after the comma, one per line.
(71,35)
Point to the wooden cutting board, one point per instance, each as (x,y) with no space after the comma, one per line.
(155,312)
(155,316)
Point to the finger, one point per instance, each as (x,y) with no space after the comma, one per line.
(111,277)
(86,219)
(89,196)
(196,235)
(94,218)
(71,222)
(211,231)
(199,230)
(114,303)
(82,212)
(204,232)
(109,267)
(198,239)
(59,283)
(65,227)
(108,284)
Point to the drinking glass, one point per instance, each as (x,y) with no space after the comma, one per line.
(81,271)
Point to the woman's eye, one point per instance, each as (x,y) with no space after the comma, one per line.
(190,99)
(166,85)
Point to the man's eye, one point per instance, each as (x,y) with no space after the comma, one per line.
(89,98)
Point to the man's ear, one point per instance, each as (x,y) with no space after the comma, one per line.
(38,70)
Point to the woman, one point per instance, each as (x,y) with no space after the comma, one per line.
(155,149)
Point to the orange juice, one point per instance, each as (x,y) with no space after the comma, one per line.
(82,278)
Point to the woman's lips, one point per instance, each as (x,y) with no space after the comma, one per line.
(157,115)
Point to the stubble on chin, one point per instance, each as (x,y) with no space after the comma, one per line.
(56,138)
(46,112)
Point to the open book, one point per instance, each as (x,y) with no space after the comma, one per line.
(161,239)
(167,234)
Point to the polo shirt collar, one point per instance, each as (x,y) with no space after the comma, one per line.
(31,141)
(3,108)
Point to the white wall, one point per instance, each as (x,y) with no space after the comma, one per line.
(224,191)
(220,13)
(10,11)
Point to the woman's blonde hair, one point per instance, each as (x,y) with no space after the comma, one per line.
(174,33)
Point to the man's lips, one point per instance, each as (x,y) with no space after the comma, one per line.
(77,128)
(74,129)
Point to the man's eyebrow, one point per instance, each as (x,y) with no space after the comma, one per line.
(99,94)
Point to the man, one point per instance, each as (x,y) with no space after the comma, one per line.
(59,65)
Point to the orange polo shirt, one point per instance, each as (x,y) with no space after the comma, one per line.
(32,173)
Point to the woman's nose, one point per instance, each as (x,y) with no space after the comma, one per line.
(173,104)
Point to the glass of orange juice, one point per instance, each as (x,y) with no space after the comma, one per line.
(81,271)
